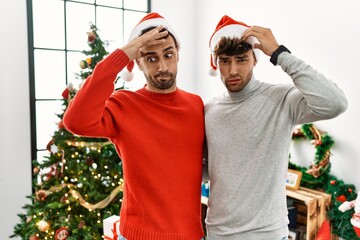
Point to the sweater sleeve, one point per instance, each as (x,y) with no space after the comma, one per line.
(314,97)
(89,112)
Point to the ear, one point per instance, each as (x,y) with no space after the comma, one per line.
(139,64)
(254,56)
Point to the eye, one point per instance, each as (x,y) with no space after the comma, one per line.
(223,61)
(242,60)
(151,59)
(169,55)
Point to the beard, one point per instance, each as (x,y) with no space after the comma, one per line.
(161,81)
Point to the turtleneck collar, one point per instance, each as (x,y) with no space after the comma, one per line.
(247,91)
(159,96)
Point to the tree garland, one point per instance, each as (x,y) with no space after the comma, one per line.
(317,176)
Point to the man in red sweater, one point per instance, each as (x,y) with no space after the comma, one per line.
(158,132)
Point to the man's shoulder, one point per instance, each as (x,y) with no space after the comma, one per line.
(189,94)
(214,101)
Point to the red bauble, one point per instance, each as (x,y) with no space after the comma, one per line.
(332,182)
(91,37)
(341,198)
(41,195)
(81,224)
(61,125)
(62,233)
(65,93)
(33,237)
(89,161)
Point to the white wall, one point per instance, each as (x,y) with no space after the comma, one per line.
(184,25)
(323,33)
(15,160)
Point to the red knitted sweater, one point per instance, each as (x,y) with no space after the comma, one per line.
(159,138)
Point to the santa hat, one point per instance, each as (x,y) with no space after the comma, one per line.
(150,20)
(228,27)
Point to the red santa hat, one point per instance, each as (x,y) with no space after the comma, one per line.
(150,20)
(228,27)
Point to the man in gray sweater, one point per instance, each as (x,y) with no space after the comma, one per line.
(248,131)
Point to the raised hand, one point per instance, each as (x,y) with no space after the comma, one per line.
(134,48)
(268,43)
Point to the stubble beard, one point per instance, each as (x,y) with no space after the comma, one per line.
(164,84)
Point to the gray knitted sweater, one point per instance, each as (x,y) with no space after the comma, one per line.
(248,138)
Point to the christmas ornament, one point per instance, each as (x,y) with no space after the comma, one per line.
(33,237)
(81,224)
(64,199)
(61,234)
(341,198)
(355,220)
(61,125)
(41,195)
(66,94)
(88,61)
(43,226)
(36,170)
(91,37)
(83,64)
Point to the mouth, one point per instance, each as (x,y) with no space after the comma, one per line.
(233,81)
(164,77)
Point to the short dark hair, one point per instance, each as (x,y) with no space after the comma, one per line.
(162,30)
(231,46)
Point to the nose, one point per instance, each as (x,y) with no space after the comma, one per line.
(162,66)
(233,68)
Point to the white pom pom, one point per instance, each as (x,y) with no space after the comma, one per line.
(345,206)
(126,75)
(212,72)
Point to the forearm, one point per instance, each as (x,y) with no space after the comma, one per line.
(322,96)
(87,114)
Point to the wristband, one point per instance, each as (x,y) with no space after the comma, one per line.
(276,53)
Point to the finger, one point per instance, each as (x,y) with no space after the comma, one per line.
(157,33)
(257,45)
(248,33)
(255,31)
(154,42)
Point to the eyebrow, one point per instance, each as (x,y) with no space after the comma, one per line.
(165,50)
(236,56)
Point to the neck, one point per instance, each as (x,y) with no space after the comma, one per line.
(158,90)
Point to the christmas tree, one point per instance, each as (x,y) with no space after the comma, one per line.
(80,182)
